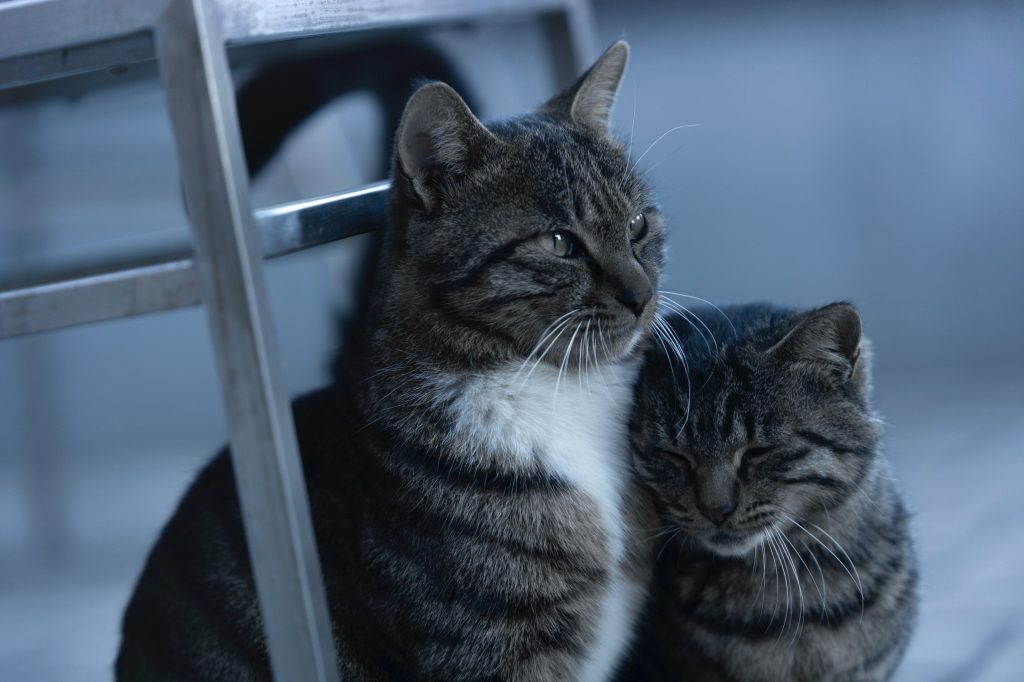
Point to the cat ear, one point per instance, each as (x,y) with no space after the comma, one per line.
(589,102)
(437,136)
(830,336)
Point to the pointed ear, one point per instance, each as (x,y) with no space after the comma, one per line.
(436,137)
(589,102)
(830,336)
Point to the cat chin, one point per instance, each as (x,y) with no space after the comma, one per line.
(732,545)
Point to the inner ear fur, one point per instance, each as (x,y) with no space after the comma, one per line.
(589,101)
(830,335)
(437,136)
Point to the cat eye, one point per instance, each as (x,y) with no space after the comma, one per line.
(562,244)
(757,453)
(678,455)
(637,226)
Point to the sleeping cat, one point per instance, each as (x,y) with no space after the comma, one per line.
(785,552)
(469,472)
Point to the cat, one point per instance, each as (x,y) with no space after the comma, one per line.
(468,472)
(785,550)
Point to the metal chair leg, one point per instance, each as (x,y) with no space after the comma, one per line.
(272,491)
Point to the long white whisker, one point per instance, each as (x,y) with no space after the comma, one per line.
(548,331)
(764,572)
(673,348)
(675,150)
(808,568)
(702,300)
(580,364)
(785,578)
(799,587)
(660,138)
(554,339)
(686,314)
(824,585)
(853,576)
(565,358)
(632,128)
(677,347)
(839,546)
(775,562)
(658,336)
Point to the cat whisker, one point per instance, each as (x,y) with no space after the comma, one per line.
(536,363)
(753,568)
(563,323)
(702,300)
(606,353)
(785,579)
(548,331)
(657,336)
(607,356)
(686,314)
(675,150)
(584,359)
(632,128)
(856,575)
(660,138)
(658,532)
(764,571)
(824,585)
(663,329)
(565,359)
(799,585)
(568,186)
(810,575)
(667,541)
(775,564)
(853,575)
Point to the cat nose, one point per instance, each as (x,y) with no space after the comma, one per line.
(635,299)
(630,286)
(717,512)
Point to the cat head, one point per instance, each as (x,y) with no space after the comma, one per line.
(773,427)
(510,237)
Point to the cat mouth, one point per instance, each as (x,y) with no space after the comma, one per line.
(622,337)
(732,544)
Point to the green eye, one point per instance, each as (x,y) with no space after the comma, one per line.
(637,226)
(562,244)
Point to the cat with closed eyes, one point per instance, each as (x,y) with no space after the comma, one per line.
(469,473)
(784,547)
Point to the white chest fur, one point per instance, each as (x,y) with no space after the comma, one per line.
(577,428)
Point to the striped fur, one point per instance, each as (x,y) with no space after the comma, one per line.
(469,471)
(784,551)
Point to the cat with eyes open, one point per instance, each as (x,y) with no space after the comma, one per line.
(785,552)
(470,490)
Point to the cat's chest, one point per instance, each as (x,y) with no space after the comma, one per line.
(573,427)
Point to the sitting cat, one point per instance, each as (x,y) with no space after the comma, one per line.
(785,548)
(469,472)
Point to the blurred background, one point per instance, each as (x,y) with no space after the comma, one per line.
(867,151)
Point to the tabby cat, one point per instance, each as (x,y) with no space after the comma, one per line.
(785,552)
(469,473)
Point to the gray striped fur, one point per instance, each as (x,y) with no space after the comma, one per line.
(788,553)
